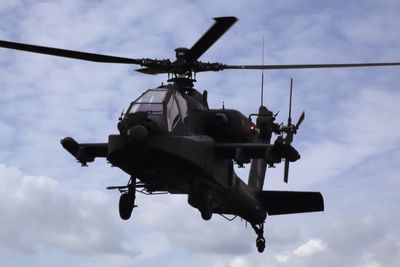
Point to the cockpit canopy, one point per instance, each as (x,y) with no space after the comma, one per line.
(150,101)
(161,102)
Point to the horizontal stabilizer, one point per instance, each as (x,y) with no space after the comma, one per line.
(287,202)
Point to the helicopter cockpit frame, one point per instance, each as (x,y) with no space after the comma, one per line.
(151,101)
(161,104)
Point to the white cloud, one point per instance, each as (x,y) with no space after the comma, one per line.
(239,262)
(349,136)
(38,212)
(282,257)
(305,250)
(182,225)
(309,248)
(364,129)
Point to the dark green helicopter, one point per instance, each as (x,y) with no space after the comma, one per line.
(170,141)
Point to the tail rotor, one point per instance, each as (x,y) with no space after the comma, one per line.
(290,130)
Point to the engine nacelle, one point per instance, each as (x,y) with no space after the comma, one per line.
(228,125)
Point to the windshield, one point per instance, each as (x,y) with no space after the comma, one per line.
(172,113)
(151,101)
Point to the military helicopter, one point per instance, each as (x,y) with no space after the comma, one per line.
(170,141)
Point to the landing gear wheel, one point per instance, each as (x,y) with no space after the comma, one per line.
(126,205)
(260,243)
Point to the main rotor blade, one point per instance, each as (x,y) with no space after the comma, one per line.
(68,53)
(221,25)
(152,71)
(309,66)
(302,116)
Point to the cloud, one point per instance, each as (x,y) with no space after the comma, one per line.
(309,248)
(348,141)
(305,250)
(365,130)
(282,258)
(239,262)
(183,226)
(362,239)
(38,212)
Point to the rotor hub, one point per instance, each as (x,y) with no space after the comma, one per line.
(180,53)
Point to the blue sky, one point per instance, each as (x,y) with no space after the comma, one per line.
(54,212)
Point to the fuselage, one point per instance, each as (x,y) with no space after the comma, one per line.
(167,140)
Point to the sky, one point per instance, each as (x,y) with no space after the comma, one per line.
(53,212)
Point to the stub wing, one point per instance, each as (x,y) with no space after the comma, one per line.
(83,152)
(288,202)
(250,150)
(244,152)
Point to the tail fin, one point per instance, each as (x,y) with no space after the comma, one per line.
(258,167)
(287,202)
(257,172)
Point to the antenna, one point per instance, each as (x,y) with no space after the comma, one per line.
(262,73)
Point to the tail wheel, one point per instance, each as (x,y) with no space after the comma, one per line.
(260,241)
(126,205)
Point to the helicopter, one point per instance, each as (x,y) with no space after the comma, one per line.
(171,141)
